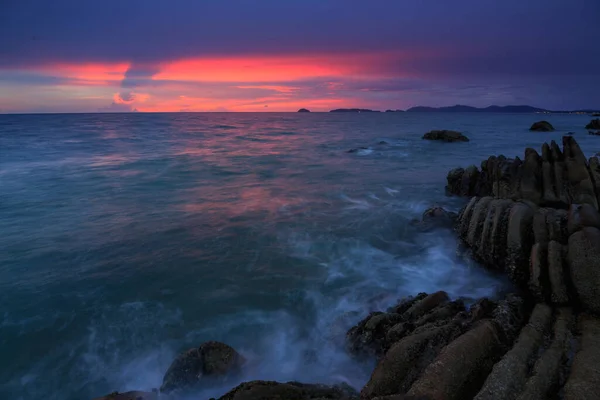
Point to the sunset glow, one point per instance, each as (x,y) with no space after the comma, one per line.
(287,55)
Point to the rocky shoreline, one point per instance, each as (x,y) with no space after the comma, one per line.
(538,221)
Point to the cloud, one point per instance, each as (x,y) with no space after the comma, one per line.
(244,55)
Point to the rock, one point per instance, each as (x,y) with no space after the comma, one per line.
(135,395)
(556,273)
(509,375)
(584,380)
(368,338)
(462,366)
(519,241)
(596,133)
(594,124)
(378,331)
(436,217)
(269,390)
(357,149)
(446,136)
(303,110)
(580,184)
(406,359)
(542,126)
(544,381)
(212,360)
(584,265)
(580,216)
(455,181)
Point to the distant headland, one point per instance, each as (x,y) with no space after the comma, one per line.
(354,110)
(469,109)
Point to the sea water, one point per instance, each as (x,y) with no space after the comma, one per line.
(127,238)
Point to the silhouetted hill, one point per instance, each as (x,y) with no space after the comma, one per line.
(355,110)
(497,109)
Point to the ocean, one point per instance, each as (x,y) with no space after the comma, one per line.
(127,238)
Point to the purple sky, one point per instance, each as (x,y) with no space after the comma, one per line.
(200,55)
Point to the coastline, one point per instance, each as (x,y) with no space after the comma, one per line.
(535,220)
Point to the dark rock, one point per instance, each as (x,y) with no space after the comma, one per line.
(594,133)
(446,136)
(210,361)
(357,149)
(544,381)
(135,395)
(461,367)
(509,375)
(580,185)
(584,265)
(368,338)
(406,359)
(303,110)
(581,216)
(594,124)
(542,126)
(584,380)
(436,217)
(455,182)
(269,390)
(556,273)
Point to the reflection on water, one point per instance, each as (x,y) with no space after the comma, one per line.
(126,238)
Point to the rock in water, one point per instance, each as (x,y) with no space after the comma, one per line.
(436,217)
(269,390)
(446,136)
(594,124)
(542,126)
(192,367)
(303,110)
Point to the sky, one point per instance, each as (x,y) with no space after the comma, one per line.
(281,55)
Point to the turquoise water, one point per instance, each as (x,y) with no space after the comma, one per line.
(126,238)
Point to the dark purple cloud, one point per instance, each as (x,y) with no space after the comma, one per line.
(529,37)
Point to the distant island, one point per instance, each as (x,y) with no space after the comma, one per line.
(493,109)
(523,109)
(353,110)
(303,110)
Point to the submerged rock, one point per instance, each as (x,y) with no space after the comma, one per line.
(436,217)
(594,124)
(269,390)
(446,136)
(597,133)
(357,149)
(210,361)
(541,126)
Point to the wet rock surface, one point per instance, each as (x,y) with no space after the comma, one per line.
(445,136)
(267,390)
(135,395)
(203,365)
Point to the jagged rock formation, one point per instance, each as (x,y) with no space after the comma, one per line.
(432,341)
(446,136)
(541,126)
(554,179)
